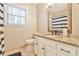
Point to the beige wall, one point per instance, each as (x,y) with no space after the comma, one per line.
(75,19)
(42,17)
(15,36)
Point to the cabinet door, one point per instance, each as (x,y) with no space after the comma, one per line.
(36,47)
(41,49)
(50,51)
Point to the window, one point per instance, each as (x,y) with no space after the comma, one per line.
(16,15)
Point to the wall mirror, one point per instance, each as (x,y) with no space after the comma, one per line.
(60,17)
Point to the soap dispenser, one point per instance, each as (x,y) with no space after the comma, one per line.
(65,33)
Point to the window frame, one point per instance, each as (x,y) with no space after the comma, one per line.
(18,7)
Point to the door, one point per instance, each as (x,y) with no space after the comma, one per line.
(41,49)
(36,47)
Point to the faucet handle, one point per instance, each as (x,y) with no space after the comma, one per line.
(60,32)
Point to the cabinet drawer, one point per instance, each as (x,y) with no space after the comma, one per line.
(50,43)
(47,42)
(66,49)
(50,51)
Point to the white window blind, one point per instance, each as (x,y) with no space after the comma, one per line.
(16,15)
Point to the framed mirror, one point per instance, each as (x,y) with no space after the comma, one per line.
(60,17)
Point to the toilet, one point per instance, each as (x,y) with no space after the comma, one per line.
(29,43)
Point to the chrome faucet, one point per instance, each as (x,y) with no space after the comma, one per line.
(56,32)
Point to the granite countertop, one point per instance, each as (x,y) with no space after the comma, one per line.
(67,40)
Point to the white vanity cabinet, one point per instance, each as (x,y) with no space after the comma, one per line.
(48,47)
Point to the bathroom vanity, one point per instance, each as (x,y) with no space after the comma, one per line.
(49,45)
(61,43)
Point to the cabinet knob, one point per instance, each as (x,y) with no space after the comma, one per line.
(36,43)
(42,48)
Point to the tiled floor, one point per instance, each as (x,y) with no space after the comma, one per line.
(23,50)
